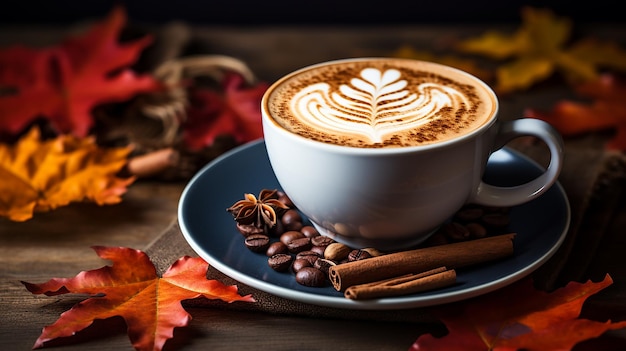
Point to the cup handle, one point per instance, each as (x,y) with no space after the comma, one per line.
(491,195)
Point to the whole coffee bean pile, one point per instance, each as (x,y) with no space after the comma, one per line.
(293,246)
(472,222)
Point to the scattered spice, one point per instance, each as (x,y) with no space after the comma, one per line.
(292,245)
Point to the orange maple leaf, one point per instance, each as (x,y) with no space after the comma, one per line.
(518,317)
(541,47)
(130,288)
(39,176)
(64,83)
(607,111)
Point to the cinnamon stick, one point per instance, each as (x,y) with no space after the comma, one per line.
(152,163)
(403,285)
(396,264)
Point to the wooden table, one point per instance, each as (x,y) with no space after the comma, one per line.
(57,244)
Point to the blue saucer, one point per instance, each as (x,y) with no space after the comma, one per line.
(541,226)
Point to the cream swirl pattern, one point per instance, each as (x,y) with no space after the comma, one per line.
(379,103)
(376,104)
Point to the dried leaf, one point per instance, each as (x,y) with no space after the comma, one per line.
(536,320)
(130,288)
(539,48)
(64,83)
(235,111)
(600,53)
(39,176)
(607,111)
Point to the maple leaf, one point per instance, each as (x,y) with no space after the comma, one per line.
(130,288)
(607,111)
(539,48)
(235,112)
(39,176)
(536,320)
(65,82)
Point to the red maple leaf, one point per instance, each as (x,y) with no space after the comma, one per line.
(130,288)
(235,112)
(518,317)
(65,82)
(607,111)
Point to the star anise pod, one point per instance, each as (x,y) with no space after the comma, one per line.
(258,212)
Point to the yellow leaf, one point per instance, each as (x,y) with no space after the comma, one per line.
(495,45)
(15,196)
(540,32)
(575,69)
(39,176)
(599,53)
(539,48)
(544,32)
(522,73)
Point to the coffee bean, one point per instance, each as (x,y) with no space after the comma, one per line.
(469,213)
(324,265)
(456,231)
(290,235)
(294,226)
(277,229)
(322,240)
(300,263)
(280,262)
(309,276)
(374,252)
(282,197)
(476,230)
(292,220)
(357,255)
(309,231)
(299,245)
(249,229)
(276,248)
(257,242)
(308,255)
(319,250)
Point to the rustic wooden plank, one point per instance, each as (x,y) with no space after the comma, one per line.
(60,241)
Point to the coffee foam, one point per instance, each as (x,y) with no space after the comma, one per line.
(380,103)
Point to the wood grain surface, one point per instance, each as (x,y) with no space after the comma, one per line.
(57,244)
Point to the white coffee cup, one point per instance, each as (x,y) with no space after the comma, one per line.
(335,166)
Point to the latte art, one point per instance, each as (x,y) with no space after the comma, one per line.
(377,103)
(375,106)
